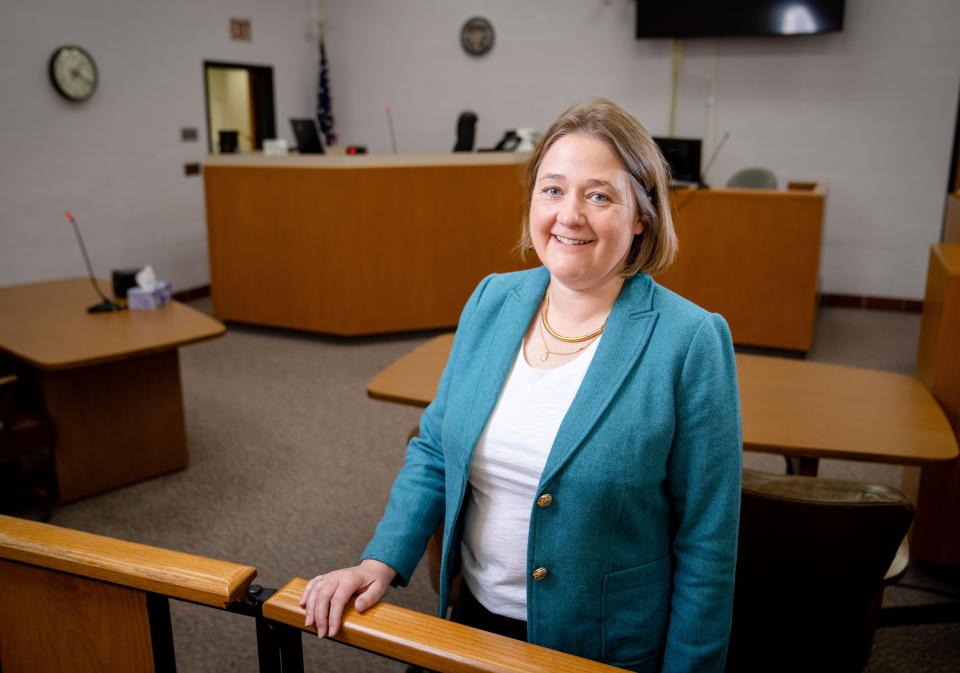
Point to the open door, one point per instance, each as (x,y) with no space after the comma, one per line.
(239,98)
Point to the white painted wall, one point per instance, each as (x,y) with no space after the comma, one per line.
(870,111)
(117,159)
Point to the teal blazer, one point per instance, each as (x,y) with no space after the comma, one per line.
(640,538)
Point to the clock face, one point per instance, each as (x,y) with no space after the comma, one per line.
(476,36)
(73,73)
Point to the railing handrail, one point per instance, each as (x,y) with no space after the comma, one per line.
(170,573)
(435,644)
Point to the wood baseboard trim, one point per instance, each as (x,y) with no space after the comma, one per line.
(192,293)
(840,300)
(874,303)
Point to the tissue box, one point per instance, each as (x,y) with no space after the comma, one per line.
(140,299)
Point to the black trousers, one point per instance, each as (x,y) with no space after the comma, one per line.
(469,612)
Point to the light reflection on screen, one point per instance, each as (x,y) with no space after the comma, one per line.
(797,19)
(710,18)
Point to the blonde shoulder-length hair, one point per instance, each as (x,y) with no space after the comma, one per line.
(654,250)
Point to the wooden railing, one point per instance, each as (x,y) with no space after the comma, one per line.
(92,603)
(102,605)
(429,642)
(175,574)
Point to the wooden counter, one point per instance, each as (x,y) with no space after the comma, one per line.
(936,530)
(358,245)
(753,256)
(377,244)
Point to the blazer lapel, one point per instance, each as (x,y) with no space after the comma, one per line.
(495,361)
(625,336)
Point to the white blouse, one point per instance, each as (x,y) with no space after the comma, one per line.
(504,475)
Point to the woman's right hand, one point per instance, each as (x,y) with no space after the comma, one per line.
(327,595)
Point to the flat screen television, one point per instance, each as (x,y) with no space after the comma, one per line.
(706,18)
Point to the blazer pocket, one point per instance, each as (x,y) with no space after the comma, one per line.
(636,610)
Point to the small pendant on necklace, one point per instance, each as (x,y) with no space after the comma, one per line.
(543,358)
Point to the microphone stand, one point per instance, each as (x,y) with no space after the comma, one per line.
(703,182)
(105,306)
(393,136)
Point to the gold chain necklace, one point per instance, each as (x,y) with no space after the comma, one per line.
(545,323)
(543,358)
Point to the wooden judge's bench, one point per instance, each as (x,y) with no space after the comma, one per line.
(353,245)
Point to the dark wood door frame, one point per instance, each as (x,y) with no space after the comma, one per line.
(953,181)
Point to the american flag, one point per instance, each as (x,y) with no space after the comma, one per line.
(324,108)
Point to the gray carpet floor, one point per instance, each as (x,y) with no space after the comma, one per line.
(291,465)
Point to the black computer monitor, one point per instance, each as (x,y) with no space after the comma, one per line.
(308,140)
(683,155)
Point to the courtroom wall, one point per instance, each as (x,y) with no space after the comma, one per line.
(117,159)
(870,111)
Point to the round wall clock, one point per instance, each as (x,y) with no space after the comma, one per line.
(73,73)
(476,36)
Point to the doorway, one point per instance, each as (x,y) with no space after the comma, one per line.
(239,98)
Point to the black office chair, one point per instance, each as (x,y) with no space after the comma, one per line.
(753,178)
(228,141)
(466,132)
(27,479)
(814,557)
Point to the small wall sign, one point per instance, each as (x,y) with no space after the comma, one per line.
(240,30)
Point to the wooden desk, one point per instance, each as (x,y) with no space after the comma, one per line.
(110,382)
(790,407)
(753,256)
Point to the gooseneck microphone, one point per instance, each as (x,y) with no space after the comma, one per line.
(713,157)
(393,136)
(105,306)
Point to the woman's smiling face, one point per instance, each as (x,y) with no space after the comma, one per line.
(583,214)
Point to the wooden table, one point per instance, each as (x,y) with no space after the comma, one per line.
(110,382)
(808,410)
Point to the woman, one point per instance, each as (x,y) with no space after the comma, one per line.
(593,415)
